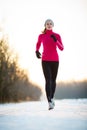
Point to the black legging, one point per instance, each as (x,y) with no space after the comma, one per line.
(50,69)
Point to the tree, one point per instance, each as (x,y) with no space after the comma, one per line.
(14,82)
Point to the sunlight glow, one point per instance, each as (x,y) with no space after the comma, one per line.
(23,20)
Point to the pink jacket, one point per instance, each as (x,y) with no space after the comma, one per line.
(49,46)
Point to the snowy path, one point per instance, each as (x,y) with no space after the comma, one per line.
(68,114)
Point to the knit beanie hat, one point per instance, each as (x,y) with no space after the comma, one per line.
(49,20)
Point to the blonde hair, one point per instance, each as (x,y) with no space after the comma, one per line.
(44,31)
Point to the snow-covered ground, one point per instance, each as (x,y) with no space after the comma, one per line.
(67,115)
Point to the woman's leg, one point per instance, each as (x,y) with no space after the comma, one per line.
(54,71)
(47,75)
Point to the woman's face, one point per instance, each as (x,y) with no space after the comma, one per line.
(49,25)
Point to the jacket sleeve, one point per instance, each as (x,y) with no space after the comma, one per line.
(38,44)
(59,42)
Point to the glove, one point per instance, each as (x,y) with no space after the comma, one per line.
(54,38)
(38,55)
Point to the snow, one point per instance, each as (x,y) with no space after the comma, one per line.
(67,114)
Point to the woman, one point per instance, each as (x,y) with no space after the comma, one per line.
(50,58)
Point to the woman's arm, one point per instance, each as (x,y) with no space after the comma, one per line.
(38,44)
(59,43)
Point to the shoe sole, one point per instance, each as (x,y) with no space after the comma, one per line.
(51,108)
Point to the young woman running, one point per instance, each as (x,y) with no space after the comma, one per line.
(50,58)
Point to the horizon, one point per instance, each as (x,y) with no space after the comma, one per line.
(23,21)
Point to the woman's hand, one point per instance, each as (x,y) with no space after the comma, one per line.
(38,55)
(54,38)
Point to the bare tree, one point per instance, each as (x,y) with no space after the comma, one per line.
(14,82)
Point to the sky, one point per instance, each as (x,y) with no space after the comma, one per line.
(23,21)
